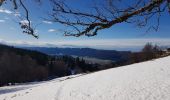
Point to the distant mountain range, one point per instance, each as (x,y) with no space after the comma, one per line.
(85,52)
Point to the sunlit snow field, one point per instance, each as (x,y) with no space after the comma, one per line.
(143,81)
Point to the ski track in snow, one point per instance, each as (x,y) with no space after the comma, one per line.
(143,81)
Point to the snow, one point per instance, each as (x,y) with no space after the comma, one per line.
(142,81)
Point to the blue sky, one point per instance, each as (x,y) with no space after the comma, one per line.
(119,36)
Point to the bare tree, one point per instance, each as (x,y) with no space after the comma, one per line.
(101,16)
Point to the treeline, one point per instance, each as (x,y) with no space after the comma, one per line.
(67,65)
(16,69)
(148,52)
(20,65)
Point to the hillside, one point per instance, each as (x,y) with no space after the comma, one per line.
(20,65)
(143,81)
(85,52)
(41,58)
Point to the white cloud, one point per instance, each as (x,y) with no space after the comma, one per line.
(47,22)
(2,10)
(17,14)
(2,21)
(52,30)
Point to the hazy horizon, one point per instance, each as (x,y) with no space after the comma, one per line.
(104,44)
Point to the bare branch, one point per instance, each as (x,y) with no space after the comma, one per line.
(90,29)
(100,17)
(27,27)
(1,2)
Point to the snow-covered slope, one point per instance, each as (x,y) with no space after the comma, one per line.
(144,81)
